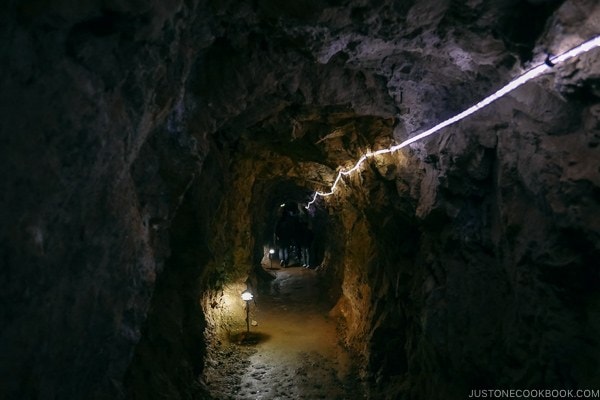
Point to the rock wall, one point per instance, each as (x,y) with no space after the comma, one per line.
(479,272)
(86,206)
(142,147)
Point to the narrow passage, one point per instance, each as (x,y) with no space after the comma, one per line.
(300,357)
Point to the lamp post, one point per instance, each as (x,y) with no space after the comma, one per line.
(247,296)
(271,253)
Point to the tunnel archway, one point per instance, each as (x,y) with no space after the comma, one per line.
(280,195)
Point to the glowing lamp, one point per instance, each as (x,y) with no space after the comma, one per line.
(247,296)
(271,253)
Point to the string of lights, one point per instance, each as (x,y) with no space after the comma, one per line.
(515,83)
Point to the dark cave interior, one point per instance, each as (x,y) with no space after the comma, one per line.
(146,148)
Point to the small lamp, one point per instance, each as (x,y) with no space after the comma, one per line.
(271,253)
(247,296)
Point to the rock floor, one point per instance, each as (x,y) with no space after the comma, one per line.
(297,355)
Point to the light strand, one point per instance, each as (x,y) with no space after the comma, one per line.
(515,83)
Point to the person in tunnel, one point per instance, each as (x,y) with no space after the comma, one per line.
(305,239)
(285,232)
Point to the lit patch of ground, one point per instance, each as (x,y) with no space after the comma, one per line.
(294,353)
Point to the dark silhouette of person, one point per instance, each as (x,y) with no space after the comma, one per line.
(305,239)
(284,235)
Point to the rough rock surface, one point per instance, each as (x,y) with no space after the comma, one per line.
(145,146)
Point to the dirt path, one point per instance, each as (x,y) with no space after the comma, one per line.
(298,357)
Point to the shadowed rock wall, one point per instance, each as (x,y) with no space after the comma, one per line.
(86,207)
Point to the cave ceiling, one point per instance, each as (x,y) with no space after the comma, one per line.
(319,83)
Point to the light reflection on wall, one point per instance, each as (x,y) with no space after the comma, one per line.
(528,75)
(225,310)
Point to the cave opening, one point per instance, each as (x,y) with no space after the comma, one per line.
(294,343)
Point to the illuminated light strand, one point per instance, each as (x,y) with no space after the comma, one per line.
(515,83)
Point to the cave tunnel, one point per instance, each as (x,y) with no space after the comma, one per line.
(146,149)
